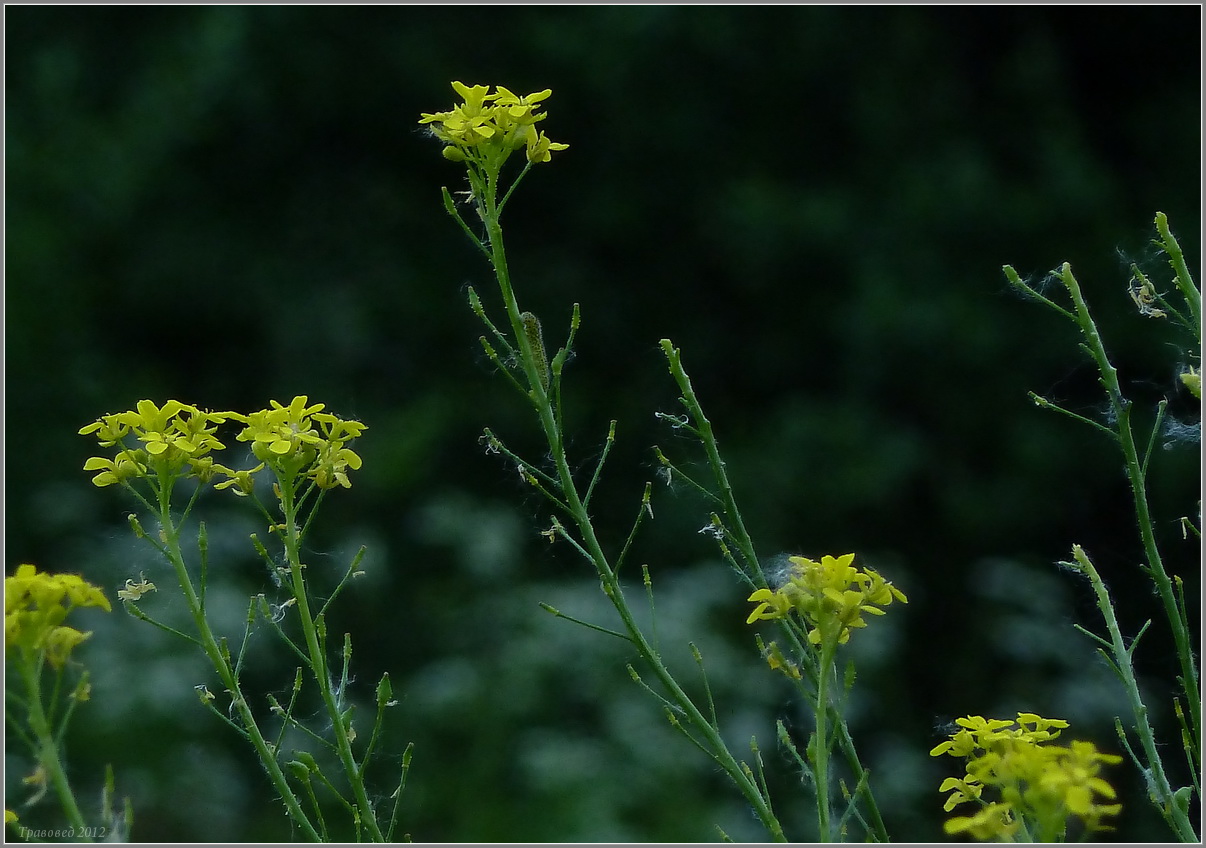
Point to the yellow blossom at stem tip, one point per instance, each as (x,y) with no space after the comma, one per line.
(485,128)
(831,595)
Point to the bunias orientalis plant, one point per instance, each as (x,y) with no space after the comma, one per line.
(483,131)
(44,684)
(1182,306)
(825,601)
(159,453)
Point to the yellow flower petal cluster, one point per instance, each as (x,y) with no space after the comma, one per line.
(831,595)
(301,439)
(176,440)
(1039,785)
(486,127)
(35,605)
(173,437)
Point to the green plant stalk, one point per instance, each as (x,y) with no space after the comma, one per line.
(1135,473)
(704,427)
(44,738)
(1189,290)
(318,660)
(821,750)
(1173,814)
(548,421)
(746,545)
(171,540)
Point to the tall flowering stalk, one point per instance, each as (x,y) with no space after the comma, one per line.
(483,131)
(799,658)
(829,598)
(1184,310)
(151,451)
(473,131)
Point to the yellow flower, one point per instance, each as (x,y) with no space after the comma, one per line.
(331,468)
(485,128)
(125,466)
(172,437)
(242,483)
(475,96)
(540,148)
(298,439)
(831,595)
(1041,730)
(109,430)
(35,605)
(771,605)
(518,107)
(968,789)
(60,641)
(1038,783)
(281,431)
(29,588)
(994,821)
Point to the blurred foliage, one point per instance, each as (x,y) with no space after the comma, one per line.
(225,204)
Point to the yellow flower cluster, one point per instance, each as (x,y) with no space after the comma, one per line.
(1039,785)
(35,605)
(831,595)
(177,439)
(485,128)
(172,437)
(301,439)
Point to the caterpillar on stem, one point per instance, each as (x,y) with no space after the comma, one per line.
(531,329)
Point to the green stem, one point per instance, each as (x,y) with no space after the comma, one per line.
(821,743)
(219,661)
(754,574)
(611,585)
(44,738)
(1135,473)
(1160,787)
(1189,289)
(318,662)
(704,427)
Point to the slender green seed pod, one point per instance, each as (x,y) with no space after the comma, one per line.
(531,328)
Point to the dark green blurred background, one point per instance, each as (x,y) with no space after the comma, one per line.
(229,204)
